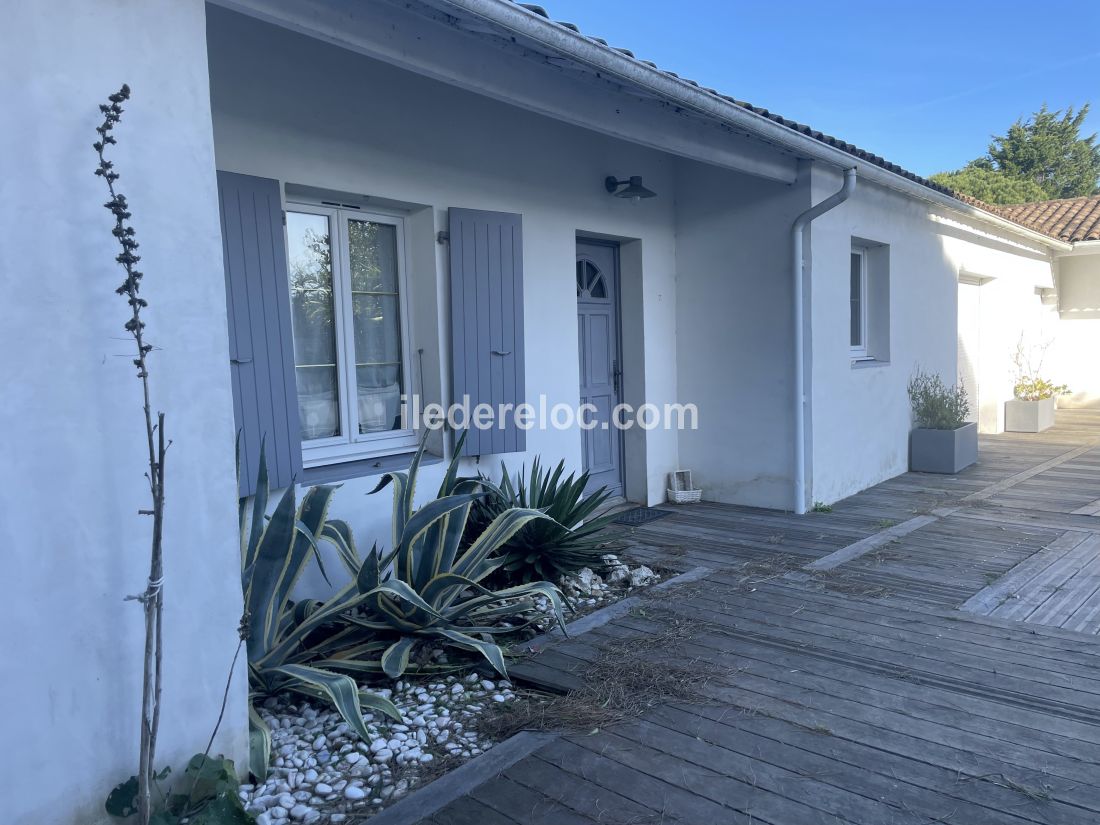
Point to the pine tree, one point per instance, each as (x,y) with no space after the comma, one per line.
(1043,157)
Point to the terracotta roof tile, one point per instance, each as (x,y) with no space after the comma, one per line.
(1070,219)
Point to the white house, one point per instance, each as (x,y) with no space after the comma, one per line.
(1068,329)
(429,175)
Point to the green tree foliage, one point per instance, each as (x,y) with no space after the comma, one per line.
(1049,150)
(1041,158)
(991,186)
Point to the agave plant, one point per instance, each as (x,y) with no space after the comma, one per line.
(286,638)
(559,545)
(428,587)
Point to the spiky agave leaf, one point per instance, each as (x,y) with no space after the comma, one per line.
(433,591)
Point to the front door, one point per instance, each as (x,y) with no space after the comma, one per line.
(600,367)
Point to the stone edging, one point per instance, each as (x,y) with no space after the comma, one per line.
(600,617)
(441,792)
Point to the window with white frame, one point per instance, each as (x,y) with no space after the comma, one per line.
(869,303)
(858,303)
(350,328)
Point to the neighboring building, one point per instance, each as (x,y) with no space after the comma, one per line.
(375,127)
(1073,324)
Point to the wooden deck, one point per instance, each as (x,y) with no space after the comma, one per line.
(850,686)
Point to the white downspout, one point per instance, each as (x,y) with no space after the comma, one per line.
(800,223)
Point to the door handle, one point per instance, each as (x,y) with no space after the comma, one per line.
(616,374)
(498,352)
(240,360)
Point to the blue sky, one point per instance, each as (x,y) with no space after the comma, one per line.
(924,84)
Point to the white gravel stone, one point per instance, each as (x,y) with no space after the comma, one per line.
(642,576)
(323,773)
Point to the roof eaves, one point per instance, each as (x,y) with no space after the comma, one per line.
(787,130)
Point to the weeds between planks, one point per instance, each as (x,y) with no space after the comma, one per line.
(627,678)
(1040,794)
(776,566)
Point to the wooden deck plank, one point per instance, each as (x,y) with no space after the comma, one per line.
(1077,589)
(968,755)
(657,786)
(1047,583)
(1026,572)
(525,805)
(954,634)
(914,656)
(468,811)
(1059,736)
(576,793)
(1086,618)
(1090,509)
(866,545)
(853,766)
(862,763)
(766,790)
(859,694)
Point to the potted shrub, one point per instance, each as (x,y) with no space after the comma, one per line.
(1032,408)
(943,440)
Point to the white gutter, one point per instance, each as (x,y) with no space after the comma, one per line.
(609,62)
(798,273)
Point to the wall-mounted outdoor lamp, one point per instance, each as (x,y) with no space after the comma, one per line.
(634,189)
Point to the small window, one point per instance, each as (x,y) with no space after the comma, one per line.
(858,303)
(590,282)
(349,325)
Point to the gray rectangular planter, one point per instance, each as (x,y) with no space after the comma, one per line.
(943,451)
(1029,416)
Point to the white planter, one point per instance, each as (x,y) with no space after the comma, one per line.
(1029,416)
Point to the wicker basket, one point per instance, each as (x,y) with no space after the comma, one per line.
(681,490)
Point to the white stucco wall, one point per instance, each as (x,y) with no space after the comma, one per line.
(860,413)
(293,108)
(735,350)
(73,448)
(1074,356)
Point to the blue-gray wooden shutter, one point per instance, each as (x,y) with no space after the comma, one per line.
(487,351)
(261,347)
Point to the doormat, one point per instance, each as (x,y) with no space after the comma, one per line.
(640,515)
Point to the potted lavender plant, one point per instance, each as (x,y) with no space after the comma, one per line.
(943,440)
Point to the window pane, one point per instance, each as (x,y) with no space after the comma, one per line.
(379,397)
(373,253)
(314,322)
(857,300)
(377,332)
(377,324)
